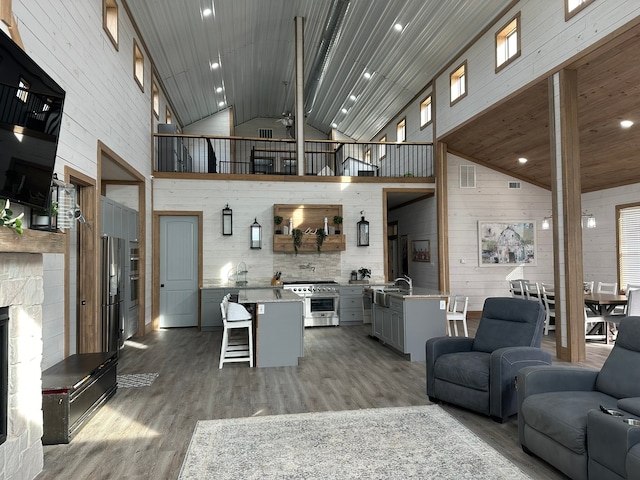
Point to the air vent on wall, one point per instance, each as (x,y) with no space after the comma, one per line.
(467,176)
(265,133)
(514,185)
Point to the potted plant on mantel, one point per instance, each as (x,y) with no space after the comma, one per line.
(337,221)
(7,221)
(42,219)
(364,273)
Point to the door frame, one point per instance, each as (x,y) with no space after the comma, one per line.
(155,265)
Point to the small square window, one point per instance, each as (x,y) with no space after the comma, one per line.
(155,99)
(425,112)
(572,7)
(459,83)
(110,20)
(138,65)
(383,148)
(401,131)
(22,91)
(508,43)
(168,115)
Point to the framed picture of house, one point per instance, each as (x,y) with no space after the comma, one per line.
(502,243)
(420,251)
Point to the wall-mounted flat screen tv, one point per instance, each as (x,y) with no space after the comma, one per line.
(30,117)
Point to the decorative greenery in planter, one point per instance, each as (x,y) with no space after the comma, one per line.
(7,221)
(364,273)
(320,236)
(296,234)
(277,220)
(337,221)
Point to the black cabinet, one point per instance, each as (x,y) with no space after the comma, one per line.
(72,390)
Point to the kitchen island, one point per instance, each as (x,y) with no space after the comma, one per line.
(278,325)
(405,319)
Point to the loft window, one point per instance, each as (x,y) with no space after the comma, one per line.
(155,99)
(383,148)
(459,83)
(508,43)
(168,115)
(628,245)
(23,90)
(572,7)
(138,65)
(110,20)
(425,112)
(401,131)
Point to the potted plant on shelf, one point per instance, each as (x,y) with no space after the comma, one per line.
(337,221)
(296,234)
(320,236)
(277,220)
(364,273)
(7,221)
(41,219)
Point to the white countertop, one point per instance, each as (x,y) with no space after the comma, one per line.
(267,295)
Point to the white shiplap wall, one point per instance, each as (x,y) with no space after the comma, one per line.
(250,200)
(492,200)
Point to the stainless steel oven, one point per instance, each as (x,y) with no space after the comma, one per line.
(134,273)
(321,301)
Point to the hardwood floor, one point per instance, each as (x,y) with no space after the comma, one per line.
(143,433)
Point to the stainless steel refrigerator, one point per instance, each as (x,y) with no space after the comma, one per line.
(112,288)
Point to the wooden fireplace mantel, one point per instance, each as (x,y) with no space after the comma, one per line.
(31,241)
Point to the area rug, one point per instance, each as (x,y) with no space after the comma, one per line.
(422,442)
(136,380)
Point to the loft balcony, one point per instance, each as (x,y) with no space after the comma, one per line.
(190,156)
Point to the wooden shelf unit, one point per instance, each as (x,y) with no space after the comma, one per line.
(308,217)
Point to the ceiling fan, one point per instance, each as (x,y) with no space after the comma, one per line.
(289,122)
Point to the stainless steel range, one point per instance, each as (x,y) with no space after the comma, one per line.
(320,301)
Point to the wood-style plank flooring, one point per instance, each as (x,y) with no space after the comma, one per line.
(143,433)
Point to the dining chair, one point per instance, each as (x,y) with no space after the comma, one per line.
(458,313)
(633,302)
(604,287)
(632,286)
(532,291)
(549,301)
(516,289)
(588,286)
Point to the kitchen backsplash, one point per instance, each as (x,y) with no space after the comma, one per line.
(325,266)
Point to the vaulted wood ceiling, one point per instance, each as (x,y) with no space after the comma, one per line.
(608,92)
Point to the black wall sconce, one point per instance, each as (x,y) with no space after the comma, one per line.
(227,221)
(363,232)
(256,234)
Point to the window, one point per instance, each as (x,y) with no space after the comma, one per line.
(168,115)
(572,7)
(383,148)
(425,112)
(459,83)
(628,244)
(155,99)
(110,20)
(23,90)
(401,131)
(508,43)
(138,65)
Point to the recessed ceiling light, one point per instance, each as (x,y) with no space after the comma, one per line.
(398,27)
(626,123)
(522,160)
(221,104)
(344,110)
(367,75)
(352,98)
(334,125)
(206,12)
(215,65)
(219,89)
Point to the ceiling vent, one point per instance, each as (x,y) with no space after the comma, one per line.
(467,176)
(265,133)
(515,185)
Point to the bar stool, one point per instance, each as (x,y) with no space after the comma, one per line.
(236,345)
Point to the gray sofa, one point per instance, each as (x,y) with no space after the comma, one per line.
(559,416)
(478,373)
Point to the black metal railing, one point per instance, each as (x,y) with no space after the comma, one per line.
(257,156)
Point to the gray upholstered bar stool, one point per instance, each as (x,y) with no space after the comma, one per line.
(237,346)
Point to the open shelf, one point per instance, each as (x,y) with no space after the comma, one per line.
(306,217)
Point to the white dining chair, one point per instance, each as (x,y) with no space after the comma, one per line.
(532,291)
(549,301)
(515,288)
(604,287)
(633,302)
(588,286)
(458,313)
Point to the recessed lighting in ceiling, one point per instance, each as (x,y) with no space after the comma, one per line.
(344,110)
(334,125)
(219,89)
(352,98)
(626,123)
(367,75)
(398,27)
(215,65)
(221,104)
(206,12)
(522,160)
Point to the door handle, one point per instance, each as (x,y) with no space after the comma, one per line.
(162,285)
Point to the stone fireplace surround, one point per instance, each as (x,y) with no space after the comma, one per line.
(21,289)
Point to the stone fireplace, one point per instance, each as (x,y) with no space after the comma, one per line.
(21,291)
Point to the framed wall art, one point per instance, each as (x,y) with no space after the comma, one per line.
(420,251)
(502,243)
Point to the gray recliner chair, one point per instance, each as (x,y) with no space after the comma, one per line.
(479,373)
(560,419)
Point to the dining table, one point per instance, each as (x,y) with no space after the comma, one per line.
(602,307)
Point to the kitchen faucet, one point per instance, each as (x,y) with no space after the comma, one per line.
(406,279)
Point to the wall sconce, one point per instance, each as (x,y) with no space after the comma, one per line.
(590,221)
(227,221)
(256,235)
(363,232)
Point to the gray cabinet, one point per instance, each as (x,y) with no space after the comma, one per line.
(350,305)
(407,323)
(117,220)
(210,314)
(279,334)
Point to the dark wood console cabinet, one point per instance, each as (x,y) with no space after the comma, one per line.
(72,390)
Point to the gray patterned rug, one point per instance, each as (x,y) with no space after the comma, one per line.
(135,380)
(422,442)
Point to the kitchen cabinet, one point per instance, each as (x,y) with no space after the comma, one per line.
(304,217)
(210,313)
(117,220)
(408,322)
(350,305)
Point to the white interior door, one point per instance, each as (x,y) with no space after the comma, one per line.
(178,271)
